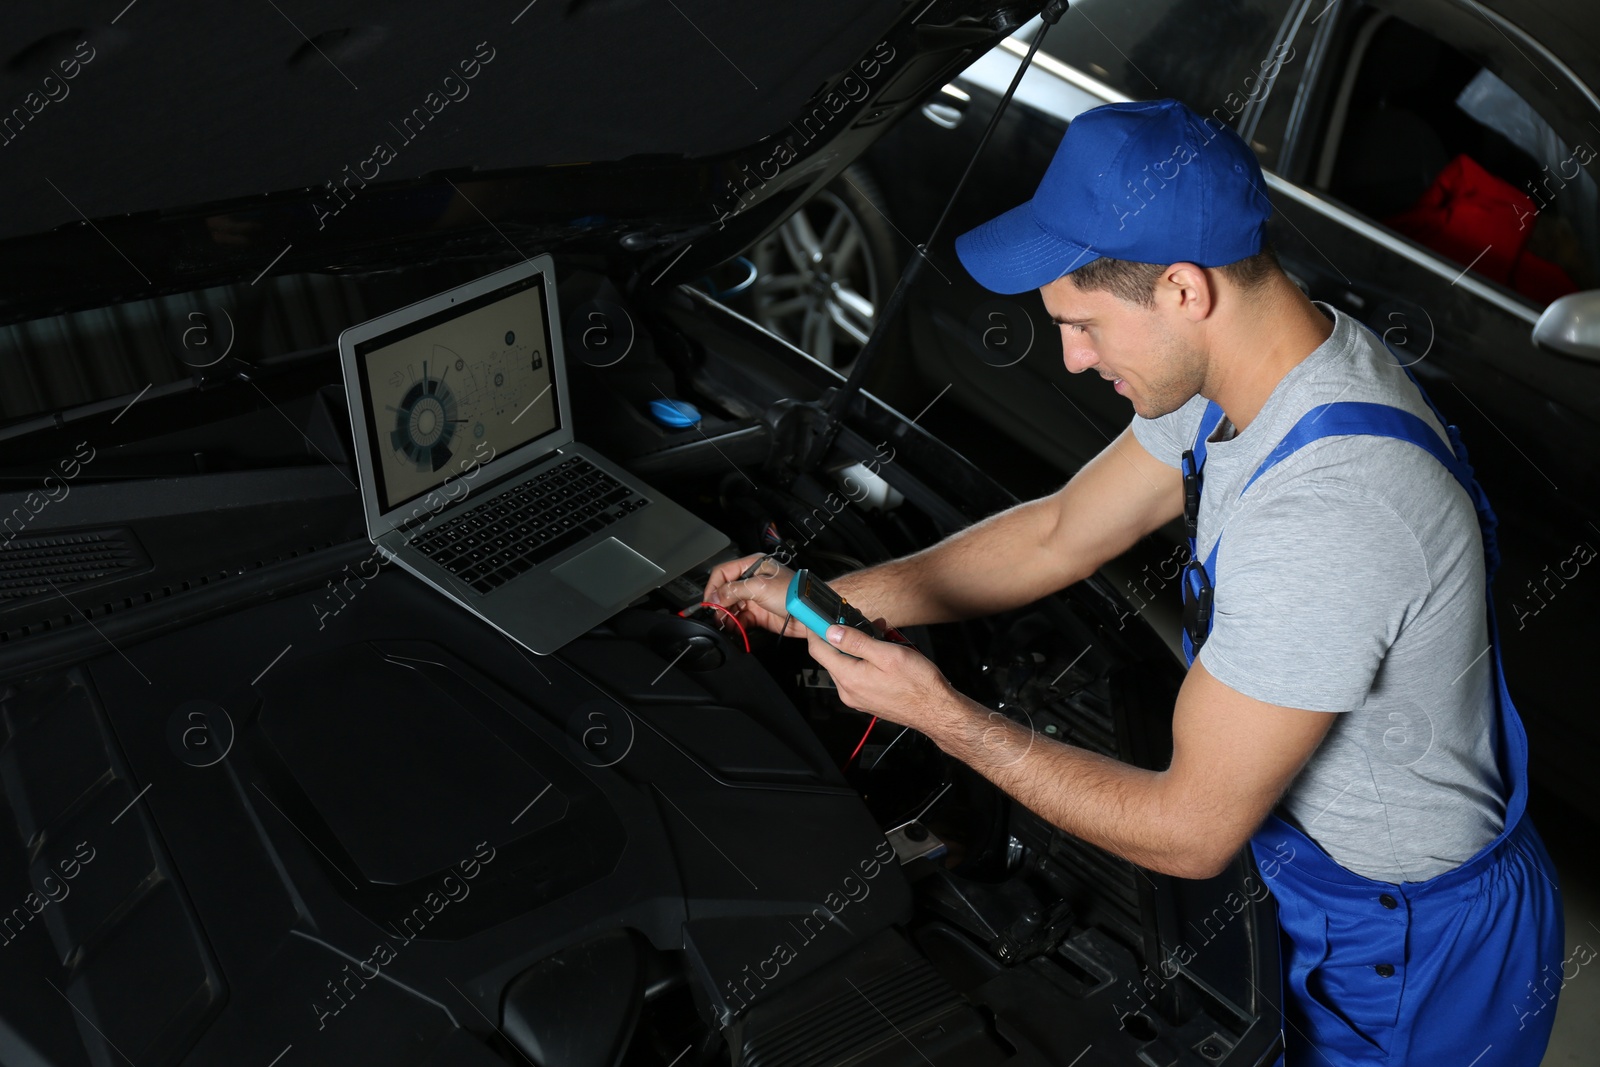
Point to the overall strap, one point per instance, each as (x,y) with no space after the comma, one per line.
(1193,467)
(1208,426)
(1196,590)
(1362,418)
(1339,419)
(1353,417)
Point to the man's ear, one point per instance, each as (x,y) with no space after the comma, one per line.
(1189,288)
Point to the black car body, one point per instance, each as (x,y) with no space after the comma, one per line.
(265,801)
(1351,108)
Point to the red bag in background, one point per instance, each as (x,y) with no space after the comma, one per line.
(1467,212)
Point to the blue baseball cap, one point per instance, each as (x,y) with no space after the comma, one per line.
(1148,181)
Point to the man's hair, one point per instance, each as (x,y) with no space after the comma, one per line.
(1135,283)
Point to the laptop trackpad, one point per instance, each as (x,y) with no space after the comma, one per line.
(609,573)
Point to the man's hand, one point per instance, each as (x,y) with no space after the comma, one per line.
(889,680)
(759,599)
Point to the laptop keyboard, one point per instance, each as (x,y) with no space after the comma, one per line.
(488,545)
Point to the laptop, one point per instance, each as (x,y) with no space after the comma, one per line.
(472,479)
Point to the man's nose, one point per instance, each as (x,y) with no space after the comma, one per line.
(1078,356)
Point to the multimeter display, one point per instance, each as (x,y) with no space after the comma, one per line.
(817,606)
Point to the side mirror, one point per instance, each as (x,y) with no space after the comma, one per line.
(1571,326)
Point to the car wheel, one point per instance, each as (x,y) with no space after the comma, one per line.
(823,273)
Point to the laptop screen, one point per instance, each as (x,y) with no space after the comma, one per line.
(437,389)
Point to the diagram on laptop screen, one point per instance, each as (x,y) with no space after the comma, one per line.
(483,377)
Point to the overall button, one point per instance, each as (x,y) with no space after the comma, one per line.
(1387,901)
(1385,970)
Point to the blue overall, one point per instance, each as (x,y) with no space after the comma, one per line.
(1461,969)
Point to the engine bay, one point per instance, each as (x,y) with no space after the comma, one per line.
(315,810)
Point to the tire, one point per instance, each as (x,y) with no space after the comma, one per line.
(827,268)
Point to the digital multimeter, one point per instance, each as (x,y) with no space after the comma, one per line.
(818,607)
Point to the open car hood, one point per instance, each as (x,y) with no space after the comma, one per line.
(181,145)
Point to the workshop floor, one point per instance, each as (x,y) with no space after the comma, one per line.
(1571,840)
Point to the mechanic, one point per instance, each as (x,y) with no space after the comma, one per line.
(1344,704)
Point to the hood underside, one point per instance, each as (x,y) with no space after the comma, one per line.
(180,144)
(192,103)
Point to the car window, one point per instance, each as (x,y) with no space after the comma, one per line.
(1218,56)
(1432,144)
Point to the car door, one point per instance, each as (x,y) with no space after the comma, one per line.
(1433,182)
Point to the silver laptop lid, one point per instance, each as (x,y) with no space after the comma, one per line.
(453,392)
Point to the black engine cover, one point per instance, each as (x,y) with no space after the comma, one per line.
(348,834)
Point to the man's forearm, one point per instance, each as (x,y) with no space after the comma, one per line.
(1028,551)
(1123,809)
(994,565)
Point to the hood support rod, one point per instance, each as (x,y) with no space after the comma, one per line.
(834,406)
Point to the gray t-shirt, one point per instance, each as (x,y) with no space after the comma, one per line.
(1350,578)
